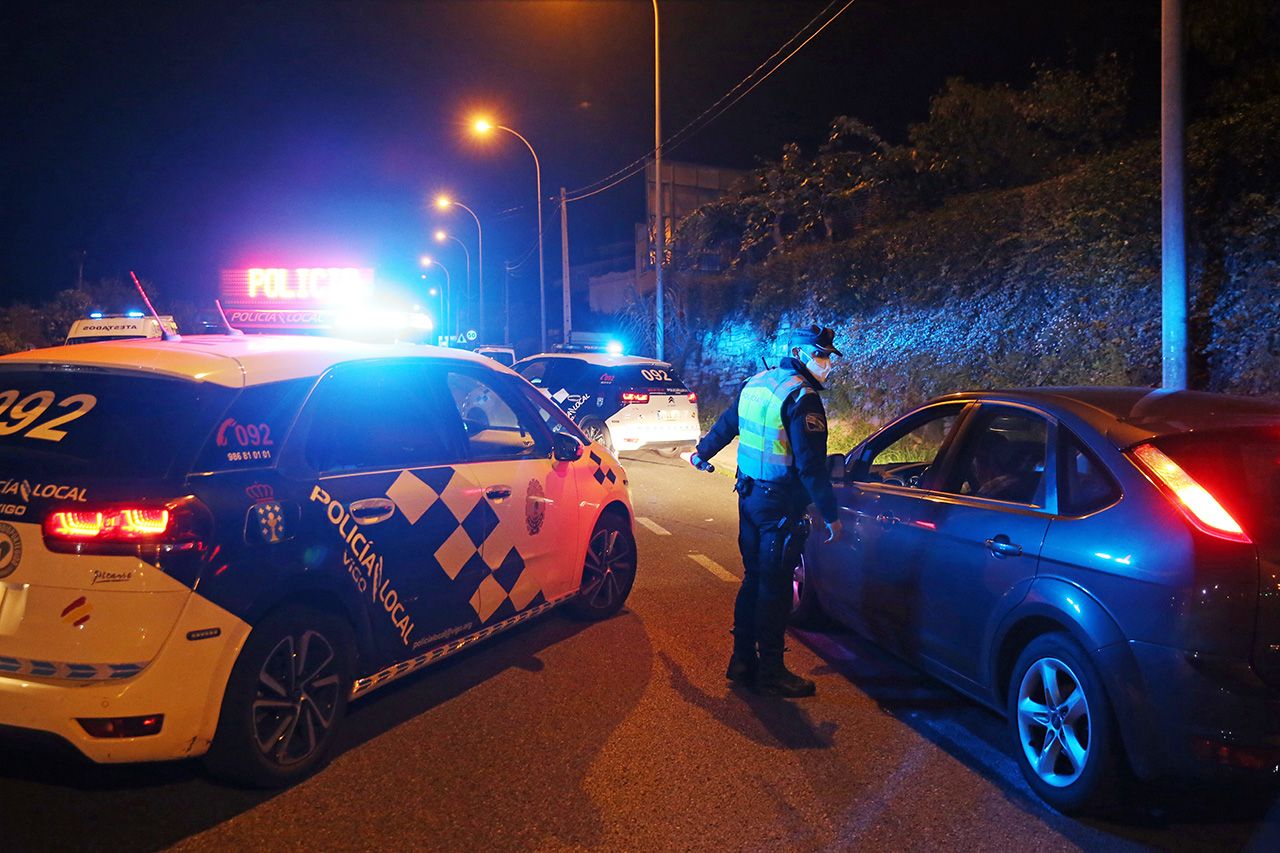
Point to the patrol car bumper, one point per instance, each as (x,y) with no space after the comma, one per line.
(636,437)
(184,682)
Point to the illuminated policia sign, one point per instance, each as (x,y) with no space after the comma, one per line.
(292,297)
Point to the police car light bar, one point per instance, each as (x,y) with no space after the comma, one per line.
(634,397)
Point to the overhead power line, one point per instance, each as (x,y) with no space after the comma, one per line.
(726,101)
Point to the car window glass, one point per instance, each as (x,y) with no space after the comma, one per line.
(553,417)
(1084,485)
(1002,457)
(905,455)
(375,417)
(535,371)
(495,420)
(251,432)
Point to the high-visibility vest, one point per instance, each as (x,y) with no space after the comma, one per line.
(764,449)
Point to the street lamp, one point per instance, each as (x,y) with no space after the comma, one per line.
(441,235)
(428,261)
(444,202)
(483,127)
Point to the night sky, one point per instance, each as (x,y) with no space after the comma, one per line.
(179,138)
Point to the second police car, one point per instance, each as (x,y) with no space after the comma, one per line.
(623,402)
(209,546)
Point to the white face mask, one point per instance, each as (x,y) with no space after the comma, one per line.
(818,365)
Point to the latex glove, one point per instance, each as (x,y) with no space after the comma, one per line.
(833,531)
(701,464)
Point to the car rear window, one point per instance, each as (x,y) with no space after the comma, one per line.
(102,423)
(655,378)
(1240,468)
(250,433)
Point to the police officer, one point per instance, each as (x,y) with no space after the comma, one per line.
(782,467)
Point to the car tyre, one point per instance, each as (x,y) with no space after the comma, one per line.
(598,431)
(806,608)
(1062,727)
(285,700)
(608,572)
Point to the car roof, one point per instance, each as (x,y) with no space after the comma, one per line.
(600,359)
(1128,415)
(233,360)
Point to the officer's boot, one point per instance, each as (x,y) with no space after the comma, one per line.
(774,679)
(743,664)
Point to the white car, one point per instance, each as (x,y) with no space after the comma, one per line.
(210,546)
(622,402)
(115,327)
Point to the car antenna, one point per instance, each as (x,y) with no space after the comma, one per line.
(226,324)
(165,334)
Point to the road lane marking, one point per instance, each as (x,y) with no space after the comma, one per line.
(653,525)
(714,567)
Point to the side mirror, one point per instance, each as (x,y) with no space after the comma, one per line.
(835,467)
(565,447)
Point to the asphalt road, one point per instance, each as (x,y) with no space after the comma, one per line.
(623,735)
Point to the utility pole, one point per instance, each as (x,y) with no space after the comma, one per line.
(660,235)
(506,301)
(564,265)
(1173,251)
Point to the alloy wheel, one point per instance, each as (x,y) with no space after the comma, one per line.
(609,561)
(1054,725)
(297,697)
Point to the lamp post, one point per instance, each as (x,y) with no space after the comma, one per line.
(444,202)
(482,127)
(660,237)
(441,235)
(428,261)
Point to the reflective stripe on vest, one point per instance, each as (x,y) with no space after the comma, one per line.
(764,450)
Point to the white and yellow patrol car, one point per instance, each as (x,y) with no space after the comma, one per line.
(210,545)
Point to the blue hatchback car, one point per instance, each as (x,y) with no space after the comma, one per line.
(1102,565)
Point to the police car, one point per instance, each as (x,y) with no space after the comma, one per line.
(622,402)
(211,545)
(114,327)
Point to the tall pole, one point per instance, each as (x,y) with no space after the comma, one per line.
(1173,251)
(542,278)
(564,265)
(466,254)
(448,290)
(479,263)
(660,241)
(506,301)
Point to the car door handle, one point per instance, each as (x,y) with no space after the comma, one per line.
(887,519)
(372,510)
(497,493)
(1000,546)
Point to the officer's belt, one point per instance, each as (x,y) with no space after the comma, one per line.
(769,485)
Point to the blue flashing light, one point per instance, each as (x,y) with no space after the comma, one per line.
(614,348)
(95,315)
(134,314)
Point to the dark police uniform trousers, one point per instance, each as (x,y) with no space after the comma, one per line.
(771,514)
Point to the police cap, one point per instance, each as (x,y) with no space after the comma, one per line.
(821,337)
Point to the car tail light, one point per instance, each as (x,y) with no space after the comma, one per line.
(693,398)
(634,397)
(1199,506)
(180,525)
(120,524)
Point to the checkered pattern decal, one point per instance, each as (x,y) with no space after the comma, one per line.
(391,673)
(603,471)
(446,501)
(70,671)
